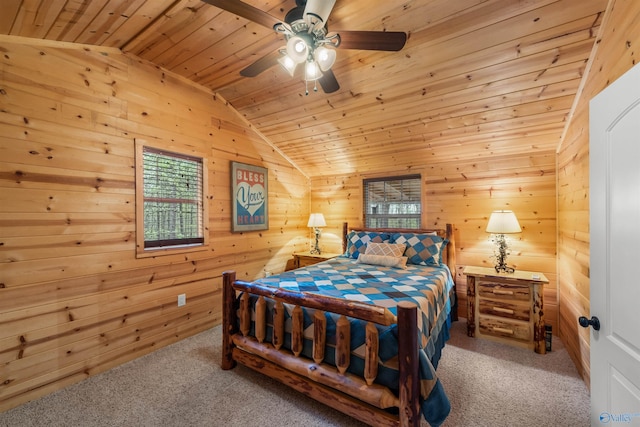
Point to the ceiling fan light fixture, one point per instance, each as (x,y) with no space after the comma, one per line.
(305,30)
(324,57)
(297,49)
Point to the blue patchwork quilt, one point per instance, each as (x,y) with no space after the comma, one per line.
(342,277)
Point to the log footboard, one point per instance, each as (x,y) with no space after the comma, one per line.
(356,396)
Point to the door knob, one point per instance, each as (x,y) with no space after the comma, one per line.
(593,322)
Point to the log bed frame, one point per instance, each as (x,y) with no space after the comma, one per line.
(356,396)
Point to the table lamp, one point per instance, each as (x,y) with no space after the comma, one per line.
(501,223)
(316,220)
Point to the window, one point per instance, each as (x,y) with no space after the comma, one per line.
(392,202)
(170,202)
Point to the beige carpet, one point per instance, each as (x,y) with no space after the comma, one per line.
(182,385)
(492,384)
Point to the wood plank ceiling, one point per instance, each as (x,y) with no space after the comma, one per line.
(476,77)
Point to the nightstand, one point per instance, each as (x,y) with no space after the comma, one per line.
(303,259)
(506,307)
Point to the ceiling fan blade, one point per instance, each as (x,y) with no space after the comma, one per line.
(246,11)
(328,82)
(372,40)
(262,64)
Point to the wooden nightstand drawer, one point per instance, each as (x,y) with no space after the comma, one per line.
(502,328)
(507,309)
(496,289)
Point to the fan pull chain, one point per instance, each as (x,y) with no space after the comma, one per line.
(306,86)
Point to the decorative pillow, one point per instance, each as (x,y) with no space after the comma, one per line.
(357,241)
(386,261)
(422,249)
(385,249)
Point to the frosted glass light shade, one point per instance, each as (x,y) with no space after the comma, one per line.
(312,71)
(316,220)
(324,57)
(288,64)
(503,222)
(297,49)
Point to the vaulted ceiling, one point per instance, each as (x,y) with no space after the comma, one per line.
(475,78)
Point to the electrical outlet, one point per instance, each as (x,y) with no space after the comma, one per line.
(182,300)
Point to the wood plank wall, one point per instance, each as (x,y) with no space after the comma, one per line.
(465,193)
(74,299)
(616,52)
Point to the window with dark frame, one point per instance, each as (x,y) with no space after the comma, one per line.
(172,199)
(393,202)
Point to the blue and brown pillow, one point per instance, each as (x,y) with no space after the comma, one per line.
(422,249)
(357,242)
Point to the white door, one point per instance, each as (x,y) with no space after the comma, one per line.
(614,159)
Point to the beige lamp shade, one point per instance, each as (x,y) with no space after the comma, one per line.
(316,220)
(503,222)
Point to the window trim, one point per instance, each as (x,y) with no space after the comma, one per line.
(365,181)
(141,251)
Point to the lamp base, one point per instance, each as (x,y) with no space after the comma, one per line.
(501,255)
(504,269)
(316,249)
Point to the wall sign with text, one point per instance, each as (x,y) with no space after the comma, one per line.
(249,197)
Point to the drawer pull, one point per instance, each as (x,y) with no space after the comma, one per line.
(503,330)
(503,310)
(501,292)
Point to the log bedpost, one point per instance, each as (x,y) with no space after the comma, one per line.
(451,255)
(345,230)
(451,263)
(408,364)
(229,319)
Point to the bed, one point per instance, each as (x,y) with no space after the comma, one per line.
(358,333)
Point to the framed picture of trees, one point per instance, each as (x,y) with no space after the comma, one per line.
(249,197)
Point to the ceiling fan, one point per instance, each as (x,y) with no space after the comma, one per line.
(308,40)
